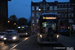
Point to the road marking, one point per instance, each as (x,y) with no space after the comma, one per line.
(19,43)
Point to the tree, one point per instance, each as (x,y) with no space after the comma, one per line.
(13,18)
(22,21)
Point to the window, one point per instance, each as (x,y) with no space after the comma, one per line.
(37,7)
(55,7)
(37,14)
(59,10)
(33,21)
(72,8)
(55,11)
(65,15)
(62,15)
(68,15)
(59,5)
(51,8)
(37,20)
(43,7)
(72,15)
(59,16)
(50,11)
(33,8)
(32,14)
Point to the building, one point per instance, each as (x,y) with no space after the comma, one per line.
(63,9)
(3,13)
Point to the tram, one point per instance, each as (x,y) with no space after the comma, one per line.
(48,29)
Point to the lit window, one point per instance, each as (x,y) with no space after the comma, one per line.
(37,7)
(32,14)
(51,8)
(33,24)
(32,21)
(32,7)
(37,20)
(55,7)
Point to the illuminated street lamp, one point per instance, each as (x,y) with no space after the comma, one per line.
(39,9)
(33,24)
(8,21)
(14,23)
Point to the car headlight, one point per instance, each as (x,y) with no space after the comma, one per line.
(1,36)
(14,38)
(40,36)
(57,36)
(26,33)
(5,38)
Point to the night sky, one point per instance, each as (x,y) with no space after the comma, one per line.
(22,8)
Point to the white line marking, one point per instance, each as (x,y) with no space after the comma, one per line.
(18,44)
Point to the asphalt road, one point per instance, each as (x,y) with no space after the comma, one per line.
(27,43)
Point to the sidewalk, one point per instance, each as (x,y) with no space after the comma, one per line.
(67,41)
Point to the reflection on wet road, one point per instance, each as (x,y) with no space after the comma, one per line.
(11,45)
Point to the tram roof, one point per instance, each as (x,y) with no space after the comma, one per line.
(48,14)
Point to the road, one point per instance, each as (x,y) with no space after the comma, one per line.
(27,43)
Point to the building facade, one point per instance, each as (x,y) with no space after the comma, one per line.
(3,13)
(63,9)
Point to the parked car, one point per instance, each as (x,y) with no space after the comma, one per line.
(11,37)
(2,35)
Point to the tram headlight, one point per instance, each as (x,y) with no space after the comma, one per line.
(57,36)
(40,36)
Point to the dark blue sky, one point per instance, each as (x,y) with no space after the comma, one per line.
(22,8)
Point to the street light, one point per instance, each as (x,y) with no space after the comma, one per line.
(39,9)
(14,23)
(8,21)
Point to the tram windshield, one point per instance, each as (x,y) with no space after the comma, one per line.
(47,22)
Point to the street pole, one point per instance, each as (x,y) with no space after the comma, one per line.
(67,16)
(70,30)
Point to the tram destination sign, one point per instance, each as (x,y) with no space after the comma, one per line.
(49,17)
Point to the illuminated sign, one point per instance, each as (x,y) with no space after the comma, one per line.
(22,27)
(49,17)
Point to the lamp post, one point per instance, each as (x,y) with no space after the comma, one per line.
(67,17)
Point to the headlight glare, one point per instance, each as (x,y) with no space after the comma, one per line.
(5,38)
(57,36)
(26,33)
(40,36)
(1,36)
(14,38)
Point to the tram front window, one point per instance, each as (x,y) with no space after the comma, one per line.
(48,24)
